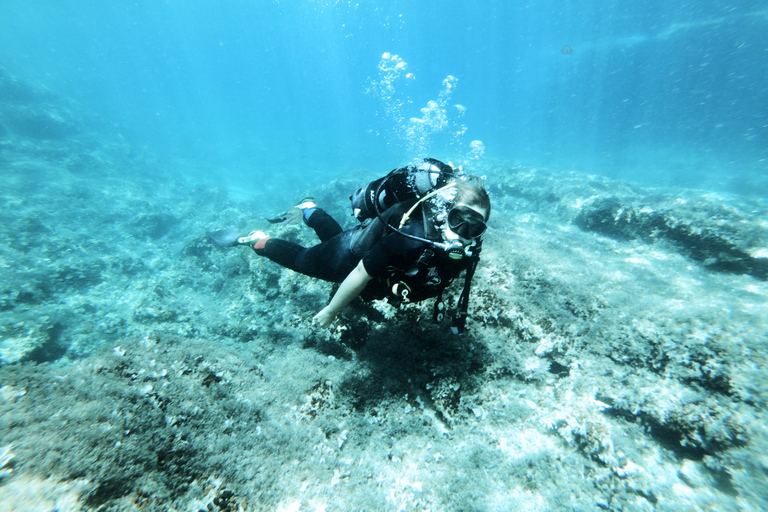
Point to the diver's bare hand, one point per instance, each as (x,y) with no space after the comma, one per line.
(324,318)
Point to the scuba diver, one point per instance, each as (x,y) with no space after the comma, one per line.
(420,227)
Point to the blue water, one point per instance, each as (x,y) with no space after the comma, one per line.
(647,91)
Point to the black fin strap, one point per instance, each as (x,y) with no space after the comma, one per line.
(459,323)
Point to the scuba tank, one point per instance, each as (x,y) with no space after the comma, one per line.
(411,182)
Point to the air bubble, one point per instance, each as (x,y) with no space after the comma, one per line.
(417,133)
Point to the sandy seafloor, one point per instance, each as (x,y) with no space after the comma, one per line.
(615,359)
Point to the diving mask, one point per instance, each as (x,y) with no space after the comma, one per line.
(466,222)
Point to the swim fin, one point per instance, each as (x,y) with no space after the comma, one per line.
(231,237)
(294,215)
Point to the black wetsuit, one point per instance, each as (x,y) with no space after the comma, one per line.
(393,258)
(330,260)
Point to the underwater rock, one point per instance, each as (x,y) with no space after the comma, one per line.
(15,91)
(621,220)
(223,502)
(39,122)
(153,225)
(446,396)
(695,474)
(6,462)
(36,340)
(33,112)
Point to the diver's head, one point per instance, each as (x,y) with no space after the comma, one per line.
(475,196)
(466,220)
